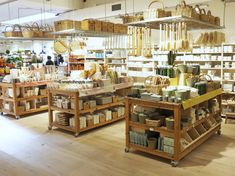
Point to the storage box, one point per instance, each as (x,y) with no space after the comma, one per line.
(110,27)
(168,141)
(96,119)
(88,25)
(104,100)
(98,25)
(115,99)
(83,123)
(168,149)
(108,115)
(92,103)
(117,28)
(123,29)
(80,104)
(67,24)
(114,115)
(104,26)
(90,121)
(102,117)
(86,105)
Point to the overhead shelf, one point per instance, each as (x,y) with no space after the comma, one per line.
(26,39)
(193,24)
(84,33)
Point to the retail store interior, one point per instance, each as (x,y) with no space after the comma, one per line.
(117,87)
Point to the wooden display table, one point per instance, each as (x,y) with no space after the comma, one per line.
(213,125)
(24,100)
(75,96)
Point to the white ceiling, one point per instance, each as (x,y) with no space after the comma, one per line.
(22,8)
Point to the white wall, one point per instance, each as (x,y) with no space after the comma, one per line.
(216,6)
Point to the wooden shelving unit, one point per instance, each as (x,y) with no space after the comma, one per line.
(19,98)
(76,112)
(178,132)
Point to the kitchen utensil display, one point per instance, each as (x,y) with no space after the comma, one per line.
(174,37)
(139,42)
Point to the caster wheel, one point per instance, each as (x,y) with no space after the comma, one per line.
(49,128)
(76,134)
(127,150)
(219,132)
(17,117)
(174,163)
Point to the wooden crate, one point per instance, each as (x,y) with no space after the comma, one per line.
(88,25)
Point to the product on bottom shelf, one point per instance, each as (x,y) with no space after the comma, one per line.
(63,118)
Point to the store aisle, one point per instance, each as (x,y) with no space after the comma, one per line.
(27,148)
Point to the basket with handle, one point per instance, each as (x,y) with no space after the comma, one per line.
(156,84)
(210,84)
(182,9)
(129,19)
(37,30)
(47,30)
(211,17)
(15,31)
(197,12)
(27,31)
(203,16)
(152,13)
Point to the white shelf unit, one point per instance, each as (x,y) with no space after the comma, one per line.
(116,59)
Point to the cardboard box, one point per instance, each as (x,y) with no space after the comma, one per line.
(88,25)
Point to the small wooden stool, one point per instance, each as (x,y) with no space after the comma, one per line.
(229,115)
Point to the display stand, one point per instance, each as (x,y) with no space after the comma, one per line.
(212,124)
(16,103)
(76,113)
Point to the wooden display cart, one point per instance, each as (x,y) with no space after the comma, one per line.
(22,94)
(76,113)
(178,132)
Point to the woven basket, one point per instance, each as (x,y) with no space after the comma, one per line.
(154,13)
(156,84)
(217,21)
(211,17)
(129,19)
(14,32)
(153,123)
(28,32)
(203,16)
(47,30)
(37,30)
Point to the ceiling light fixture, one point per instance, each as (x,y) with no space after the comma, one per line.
(31,18)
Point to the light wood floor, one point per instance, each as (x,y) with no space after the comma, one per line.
(28,149)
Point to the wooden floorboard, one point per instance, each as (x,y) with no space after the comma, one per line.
(28,148)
